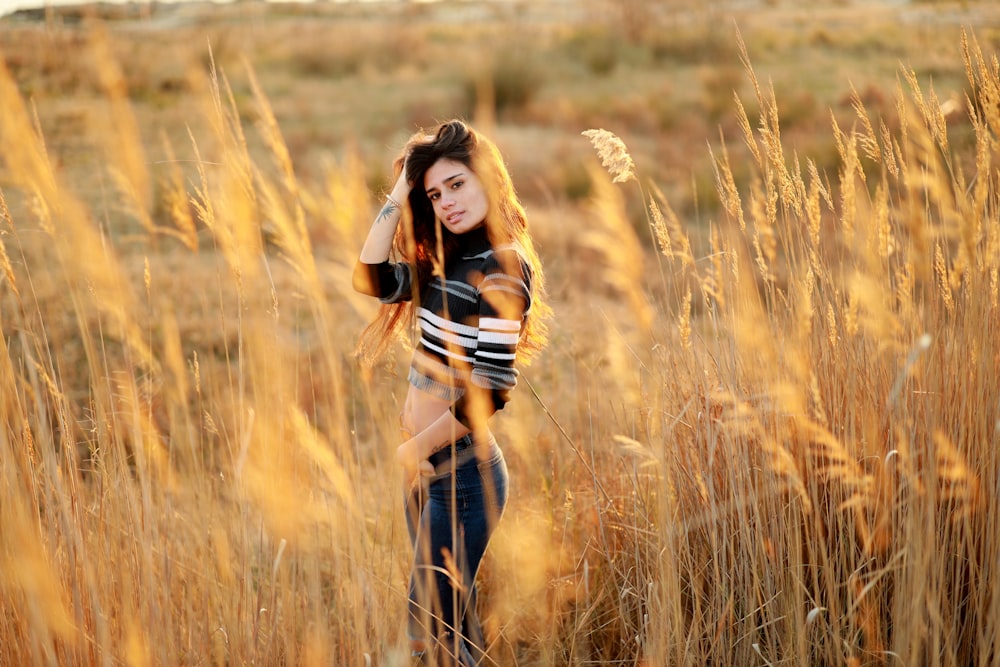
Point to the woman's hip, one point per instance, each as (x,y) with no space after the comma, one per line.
(466,454)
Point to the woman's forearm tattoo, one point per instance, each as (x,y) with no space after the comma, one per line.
(386,211)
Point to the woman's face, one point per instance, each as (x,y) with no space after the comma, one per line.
(457,195)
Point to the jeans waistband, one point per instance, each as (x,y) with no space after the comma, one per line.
(444,454)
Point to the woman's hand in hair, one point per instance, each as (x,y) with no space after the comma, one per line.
(401,190)
(403,185)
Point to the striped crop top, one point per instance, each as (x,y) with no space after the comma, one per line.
(470,323)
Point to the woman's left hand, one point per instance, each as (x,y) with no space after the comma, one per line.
(413,464)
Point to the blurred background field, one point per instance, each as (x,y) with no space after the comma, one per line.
(763,433)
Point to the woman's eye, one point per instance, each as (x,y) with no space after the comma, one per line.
(456,185)
(434,197)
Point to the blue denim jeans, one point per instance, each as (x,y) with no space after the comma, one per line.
(450,518)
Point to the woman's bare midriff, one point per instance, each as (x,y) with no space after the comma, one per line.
(420,410)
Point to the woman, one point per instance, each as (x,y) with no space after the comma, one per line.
(471,279)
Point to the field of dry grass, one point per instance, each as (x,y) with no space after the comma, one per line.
(764,431)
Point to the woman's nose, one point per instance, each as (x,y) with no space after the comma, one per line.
(447,203)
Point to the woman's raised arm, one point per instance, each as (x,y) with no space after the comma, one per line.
(372,267)
(379,241)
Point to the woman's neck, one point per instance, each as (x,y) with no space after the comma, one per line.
(475,239)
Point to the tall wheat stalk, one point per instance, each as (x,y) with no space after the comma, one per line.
(165,503)
(821,487)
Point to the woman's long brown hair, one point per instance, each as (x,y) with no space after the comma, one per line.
(426,244)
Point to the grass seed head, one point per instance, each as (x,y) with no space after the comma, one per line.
(613,153)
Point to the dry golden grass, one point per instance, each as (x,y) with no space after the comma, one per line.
(764,439)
